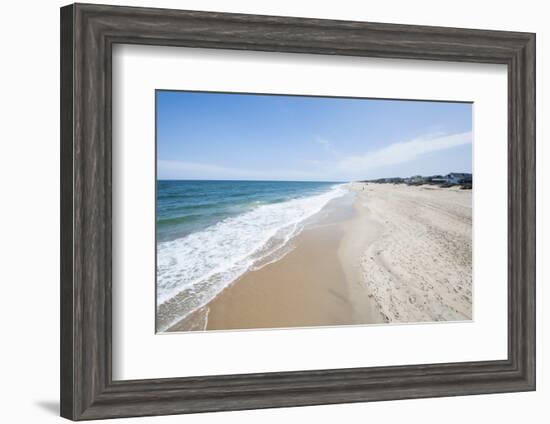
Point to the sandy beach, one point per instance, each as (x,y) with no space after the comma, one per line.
(383,253)
(419,268)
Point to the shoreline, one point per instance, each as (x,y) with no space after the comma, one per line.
(307,287)
(357,262)
(251,230)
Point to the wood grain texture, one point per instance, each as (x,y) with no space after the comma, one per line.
(88,33)
(66,212)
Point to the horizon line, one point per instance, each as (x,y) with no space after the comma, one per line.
(256,180)
(307,181)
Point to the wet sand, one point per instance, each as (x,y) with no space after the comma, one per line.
(316,284)
(383,253)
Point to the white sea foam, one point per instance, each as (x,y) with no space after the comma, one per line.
(202,264)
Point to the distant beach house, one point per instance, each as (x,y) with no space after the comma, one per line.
(437,179)
(458,178)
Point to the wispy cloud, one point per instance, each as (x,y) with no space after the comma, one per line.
(334,167)
(402,152)
(176,166)
(173,169)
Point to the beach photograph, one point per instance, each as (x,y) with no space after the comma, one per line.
(290,211)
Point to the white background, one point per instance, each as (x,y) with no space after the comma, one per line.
(30,210)
(138,70)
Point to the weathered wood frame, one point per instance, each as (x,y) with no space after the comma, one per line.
(88,33)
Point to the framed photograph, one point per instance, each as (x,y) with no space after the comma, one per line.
(263,211)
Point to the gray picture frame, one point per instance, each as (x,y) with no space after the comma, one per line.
(88,33)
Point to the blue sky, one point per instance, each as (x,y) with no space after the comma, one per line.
(293,138)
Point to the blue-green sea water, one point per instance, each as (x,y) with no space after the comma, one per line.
(184,207)
(211,232)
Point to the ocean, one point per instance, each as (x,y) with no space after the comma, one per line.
(211,232)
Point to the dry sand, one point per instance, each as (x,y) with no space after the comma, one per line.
(420,267)
(389,253)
